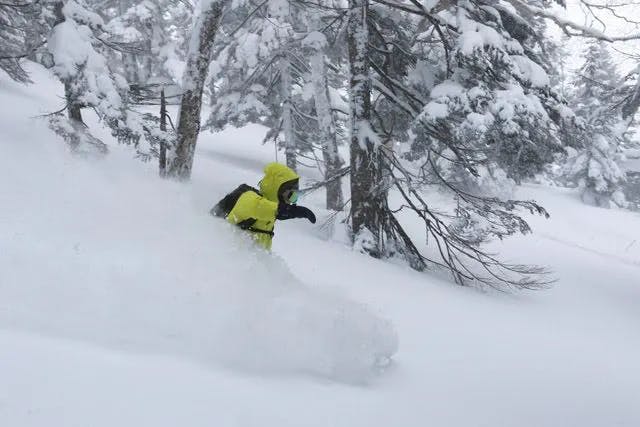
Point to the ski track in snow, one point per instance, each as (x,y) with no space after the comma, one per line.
(591,250)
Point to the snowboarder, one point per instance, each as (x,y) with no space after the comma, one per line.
(257,210)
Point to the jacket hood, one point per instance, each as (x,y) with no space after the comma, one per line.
(275,174)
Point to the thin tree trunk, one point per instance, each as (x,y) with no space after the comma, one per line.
(365,156)
(130,67)
(162,156)
(195,75)
(328,139)
(146,66)
(287,119)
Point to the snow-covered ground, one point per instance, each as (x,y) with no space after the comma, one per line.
(123,303)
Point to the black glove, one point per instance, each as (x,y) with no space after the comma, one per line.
(286,211)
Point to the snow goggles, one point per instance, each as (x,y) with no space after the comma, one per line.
(290,196)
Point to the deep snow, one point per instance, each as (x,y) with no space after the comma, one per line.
(123,303)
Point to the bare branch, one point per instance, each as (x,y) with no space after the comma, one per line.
(571,28)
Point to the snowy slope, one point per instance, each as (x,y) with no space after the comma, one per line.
(123,303)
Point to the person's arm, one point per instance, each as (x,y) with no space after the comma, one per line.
(286,211)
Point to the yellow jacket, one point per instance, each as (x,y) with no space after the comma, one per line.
(262,207)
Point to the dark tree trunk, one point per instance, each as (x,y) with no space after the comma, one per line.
(630,108)
(162,155)
(333,164)
(131,67)
(195,75)
(287,115)
(366,196)
(74,110)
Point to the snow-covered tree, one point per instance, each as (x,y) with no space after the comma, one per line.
(497,104)
(481,114)
(78,52)
(260,73)
(22,27)
(199,58)
(596,172)
(596,84)
(88,82)
(368,194)
(273,71)
(153,34)
(592,165)
(316,43)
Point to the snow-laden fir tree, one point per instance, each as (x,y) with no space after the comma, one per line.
(77,60)
(78,48)
(592,165)
(497,104)
(21,27)
(153,37)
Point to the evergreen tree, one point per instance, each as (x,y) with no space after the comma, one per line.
(79,48)
(593,166)
(260,74)
(153,36)
(22,28)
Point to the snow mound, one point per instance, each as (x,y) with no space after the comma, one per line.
(104,251)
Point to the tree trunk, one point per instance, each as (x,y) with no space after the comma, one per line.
(287,116)
(195,75)
(129,60)
(74,109)
(366,197)
(162,155)
(130,67)
(328,139)
(146,70)
(146,66)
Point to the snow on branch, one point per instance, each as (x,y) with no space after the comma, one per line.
(612,9)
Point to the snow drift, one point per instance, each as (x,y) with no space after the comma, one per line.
(97,250)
